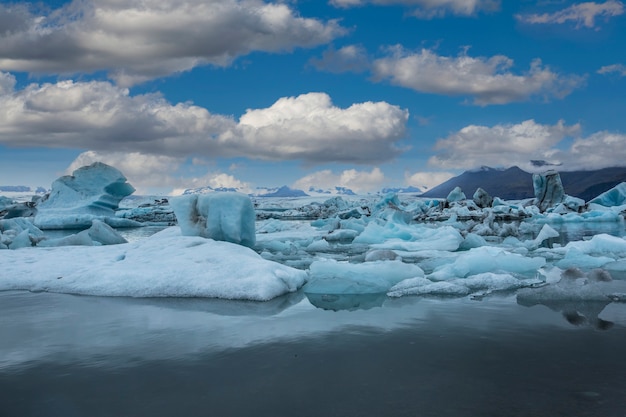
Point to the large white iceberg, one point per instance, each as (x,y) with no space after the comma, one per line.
(91,192)
(163,265)
(226,216)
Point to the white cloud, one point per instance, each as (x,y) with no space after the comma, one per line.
(102,117)
(7,83)
(500,145)
(620,69)
(517,144)
(582,14)
(427,179)
(357,181)
(487,80)
(431,8)
(148,172)
(600,150)
(311,128)
(350,58)
(138,40)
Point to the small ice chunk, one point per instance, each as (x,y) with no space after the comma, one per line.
(22,240)
(320,245)
(19,229)
(331,277)
(226,216)
(456,195)
(380,255)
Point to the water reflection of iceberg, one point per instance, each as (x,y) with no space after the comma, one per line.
(351,302)
(577,313)
(221,307)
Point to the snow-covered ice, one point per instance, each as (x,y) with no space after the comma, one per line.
(166,264)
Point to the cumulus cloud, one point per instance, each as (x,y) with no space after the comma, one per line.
(103,117)
(138,40)
(600,150)
(357,181)
(518,144)
(620,69)
(510,144)
(428,9)
(427,179)
(350,58)
(487,80)
(309,127)
(147,172)
(582,14)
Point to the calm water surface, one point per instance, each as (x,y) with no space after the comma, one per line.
(63,355)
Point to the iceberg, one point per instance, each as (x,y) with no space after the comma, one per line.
(225,216)
(165,264)
(91,192)
(549,190)
(482,198)
(616,196)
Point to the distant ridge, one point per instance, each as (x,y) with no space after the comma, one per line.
(509,184)
(515,184)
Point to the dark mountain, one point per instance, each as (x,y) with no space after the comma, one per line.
(590,184)
(509,184)
(515,184)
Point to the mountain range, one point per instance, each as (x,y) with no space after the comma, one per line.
(515,184)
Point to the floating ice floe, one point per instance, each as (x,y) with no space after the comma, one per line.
(166,264)
(91,192)
(331,277)
(99,233)
(487,259)
(480,283)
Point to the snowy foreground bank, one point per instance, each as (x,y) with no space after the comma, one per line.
(164,265)
(346,251)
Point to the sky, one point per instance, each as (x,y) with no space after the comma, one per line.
(363,94)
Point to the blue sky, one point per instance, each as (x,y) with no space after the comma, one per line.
(358,93)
